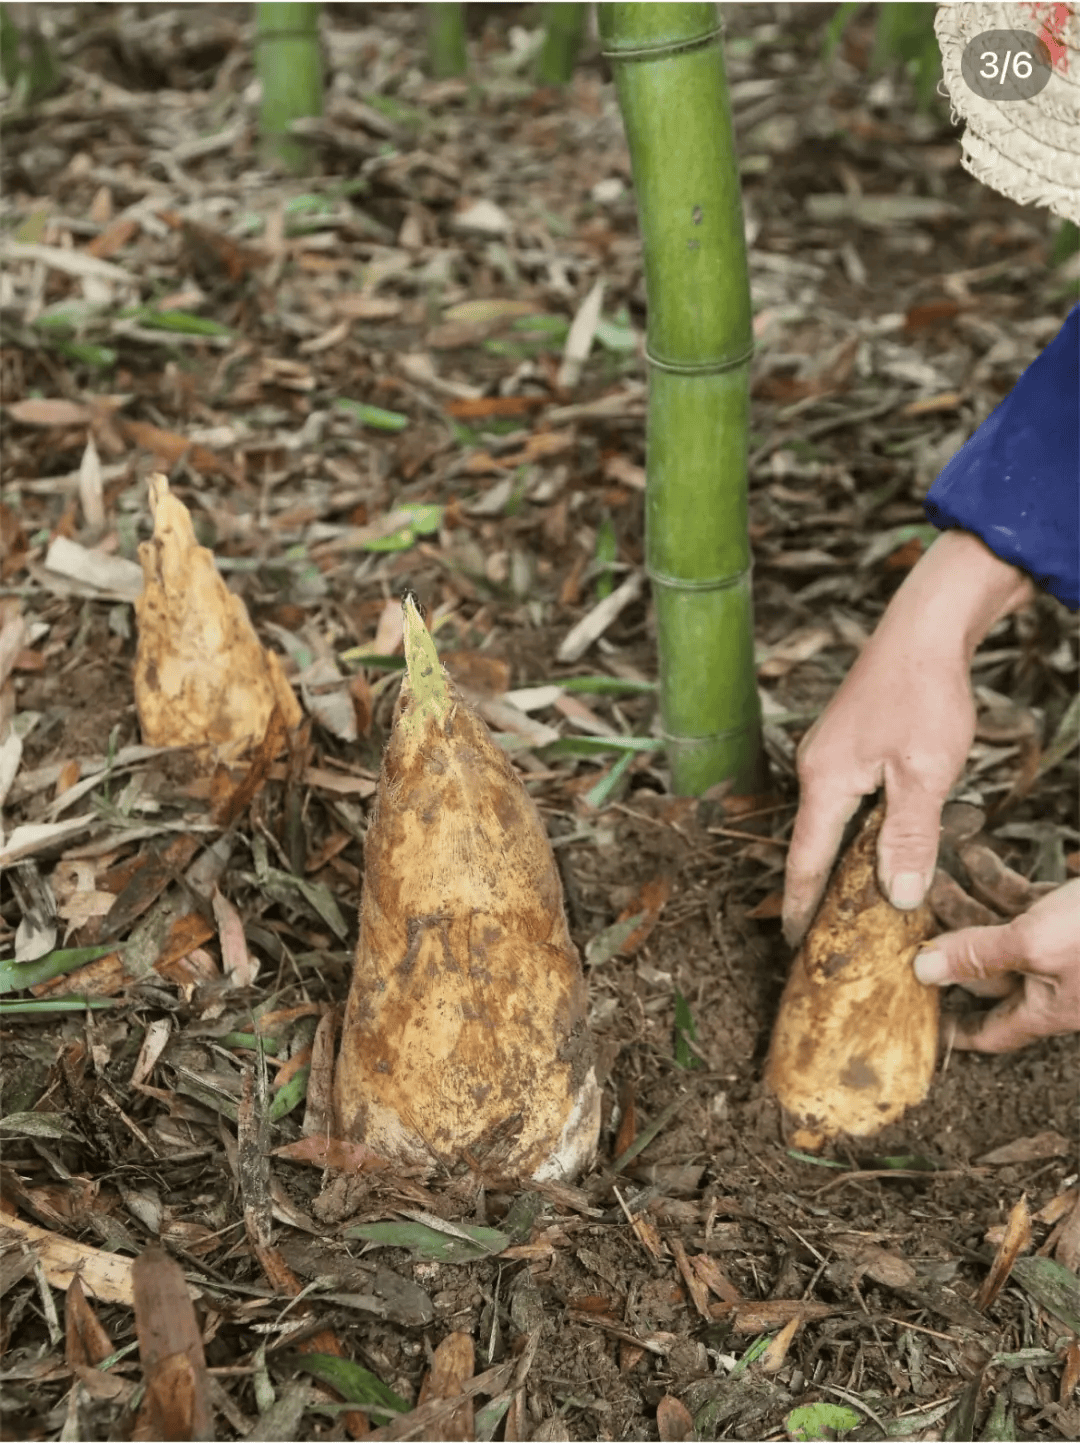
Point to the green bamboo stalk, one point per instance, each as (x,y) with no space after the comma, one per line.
(446,40)
(669,74)
(27,62)
(564,30)
(289,64)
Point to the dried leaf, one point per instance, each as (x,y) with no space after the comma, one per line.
(106,573)
(713,1276)
(451,1368)
(1016,1239)
(171,1349)
(674,1423)
(1036,1148)
(332,1153)
(49,412)
(87,1341)
(696,1287)
(104,1276)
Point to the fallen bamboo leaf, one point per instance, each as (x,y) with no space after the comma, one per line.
(1015,1238)
(177,1402)
(613,939)
(202,678)
(86,1341)
(855,1041)
(354,1383)
(114,575)
(319,1112)
(751,1317)
(1034,1148)
(104,1276)
(170,447)
(954,909)
(580,338)
(422,1421)
(452,1366)
(674,1423)
(711,1274)
(331,1153)
(594,623)
(49,411)
(1054,1287)
(464,1244)
(1067,1249)
(1070,1374)
(70,262)
(995,883)
(695,1285)
(465,1028)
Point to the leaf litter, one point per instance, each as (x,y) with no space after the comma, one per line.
(355,391)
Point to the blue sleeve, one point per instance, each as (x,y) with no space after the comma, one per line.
(1016,482)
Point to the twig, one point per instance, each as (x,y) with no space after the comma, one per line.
(822,428)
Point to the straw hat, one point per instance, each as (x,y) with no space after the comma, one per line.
(1028,147)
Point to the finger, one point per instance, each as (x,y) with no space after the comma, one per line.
(815,841)
(908,844)
(977,955)
(999,986)
(1011,1024)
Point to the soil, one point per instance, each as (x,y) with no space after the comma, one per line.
(890,1237)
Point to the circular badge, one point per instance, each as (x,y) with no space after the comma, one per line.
(1006,65)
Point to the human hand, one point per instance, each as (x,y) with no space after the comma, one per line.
(904,719)
(1032,963)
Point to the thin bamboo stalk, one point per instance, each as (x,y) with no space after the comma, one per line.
(564,30)
(446,40)
(669,72)
(290,69)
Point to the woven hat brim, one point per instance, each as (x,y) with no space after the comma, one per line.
(1028,150)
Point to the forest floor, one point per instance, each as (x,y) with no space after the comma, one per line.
(352,381)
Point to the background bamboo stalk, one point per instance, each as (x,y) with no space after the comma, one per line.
(669,72)
(446,40)
(290,69)
(564,30)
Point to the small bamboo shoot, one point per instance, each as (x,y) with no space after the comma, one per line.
(855,1041)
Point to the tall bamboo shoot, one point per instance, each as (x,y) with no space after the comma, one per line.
(464,1037)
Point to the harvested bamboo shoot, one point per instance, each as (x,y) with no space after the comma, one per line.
(855,1041)
(464,1036)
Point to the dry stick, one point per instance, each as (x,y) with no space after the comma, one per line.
(872,1173)
(822,428)
(918,1328)
(647,1134)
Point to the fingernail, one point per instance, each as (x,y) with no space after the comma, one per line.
(907,890)
(932,968)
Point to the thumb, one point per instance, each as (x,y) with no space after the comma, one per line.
(908,845)
(982,957)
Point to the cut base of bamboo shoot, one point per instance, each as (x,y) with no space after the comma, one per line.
(855,1042)
(465,1035)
